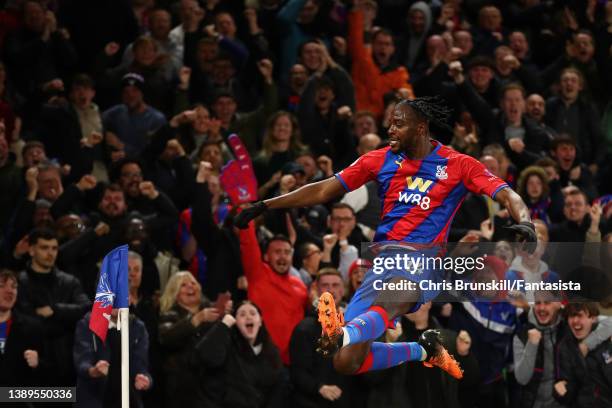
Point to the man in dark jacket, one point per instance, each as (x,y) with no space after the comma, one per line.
(598,364)
(70,130)
(324,123)
(570,114)
(98,364)
(575,386)
(55,299)
(219,244)
(535,346)
(21,337)
(571,170)
(316,382)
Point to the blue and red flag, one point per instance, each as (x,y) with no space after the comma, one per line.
(112,291)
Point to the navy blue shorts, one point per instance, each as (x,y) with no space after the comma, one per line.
(367,293)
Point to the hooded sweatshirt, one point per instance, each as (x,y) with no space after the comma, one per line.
(416,41)
(525,356)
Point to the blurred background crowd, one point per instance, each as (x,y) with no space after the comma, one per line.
(114,125)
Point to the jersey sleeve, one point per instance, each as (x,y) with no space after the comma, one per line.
(479,180)
(361,171)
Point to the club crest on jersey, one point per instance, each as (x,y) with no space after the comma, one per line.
(441,173)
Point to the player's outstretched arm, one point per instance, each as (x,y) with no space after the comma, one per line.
(520,213)
(310,194)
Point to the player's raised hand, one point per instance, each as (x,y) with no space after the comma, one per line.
(249,213)
(526,233)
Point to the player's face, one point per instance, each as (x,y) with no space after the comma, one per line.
(404,130)
(546,312)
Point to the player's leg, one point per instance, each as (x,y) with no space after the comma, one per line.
(358,353)
(369,313)
(428,348)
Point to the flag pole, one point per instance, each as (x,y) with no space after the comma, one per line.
(124,318)
(113,293)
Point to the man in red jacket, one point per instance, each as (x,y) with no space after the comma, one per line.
(282,298)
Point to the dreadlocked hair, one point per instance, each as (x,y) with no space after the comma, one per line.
(431,109)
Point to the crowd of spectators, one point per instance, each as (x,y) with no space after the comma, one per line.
(115,119)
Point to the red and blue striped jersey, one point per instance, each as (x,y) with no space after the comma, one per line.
(419,198)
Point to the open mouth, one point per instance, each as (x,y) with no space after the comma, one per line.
(577,329)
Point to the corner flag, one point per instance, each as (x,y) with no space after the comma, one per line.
(112,291)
